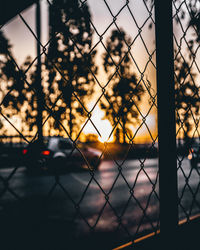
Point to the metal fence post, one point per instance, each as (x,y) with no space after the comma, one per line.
(166,121)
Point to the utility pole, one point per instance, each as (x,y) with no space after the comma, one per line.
(39,92)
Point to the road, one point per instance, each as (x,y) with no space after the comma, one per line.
(109,201)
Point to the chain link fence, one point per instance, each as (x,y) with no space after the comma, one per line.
(186,55)
(78,80)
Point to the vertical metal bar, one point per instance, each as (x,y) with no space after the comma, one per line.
(166,121)
(38,75)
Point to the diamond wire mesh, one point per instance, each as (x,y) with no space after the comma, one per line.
(186,33)
(55,108)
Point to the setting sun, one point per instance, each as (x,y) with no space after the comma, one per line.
(103,125)
(106,130)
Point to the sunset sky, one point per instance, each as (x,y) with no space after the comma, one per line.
(24,44)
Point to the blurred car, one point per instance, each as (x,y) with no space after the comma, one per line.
(10,154)
(194,155)
(58,153)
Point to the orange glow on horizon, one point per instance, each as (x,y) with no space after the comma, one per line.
(105,128)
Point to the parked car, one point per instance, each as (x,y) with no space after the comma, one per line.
(58,153)
(194,155)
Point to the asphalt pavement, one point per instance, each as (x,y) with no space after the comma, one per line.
(79,208)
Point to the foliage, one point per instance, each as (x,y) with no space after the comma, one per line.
(186,87)
(91,138)
(123,92)
(186,97)
(13,94)
(31,91)
(70,61)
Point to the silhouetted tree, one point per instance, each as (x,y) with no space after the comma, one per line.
(18,97)
(13,91)
(123,92)
(186,97)
(187,90)
(70,59)
(91,138)
(31,102)
(186,87)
